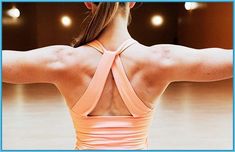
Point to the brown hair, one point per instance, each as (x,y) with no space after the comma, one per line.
(102,16)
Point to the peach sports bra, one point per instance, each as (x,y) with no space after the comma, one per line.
(111,132)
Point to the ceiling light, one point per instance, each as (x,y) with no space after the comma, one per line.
(157,20)
(14,12)
(66,21)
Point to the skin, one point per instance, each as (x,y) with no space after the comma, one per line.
(150,70)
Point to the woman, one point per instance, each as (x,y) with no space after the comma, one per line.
(110,81)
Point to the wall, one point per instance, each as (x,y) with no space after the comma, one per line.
(208,27)
(49,28)
(20,35)
(42,25)
(142,29)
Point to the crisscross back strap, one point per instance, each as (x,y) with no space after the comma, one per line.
(110,60)
(99,46)
(134,104)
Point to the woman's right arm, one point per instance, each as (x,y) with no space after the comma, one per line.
(188,64)
(34,66)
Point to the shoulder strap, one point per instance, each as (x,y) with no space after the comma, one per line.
(95,88)
(110,60)
(99,46)
(132,101)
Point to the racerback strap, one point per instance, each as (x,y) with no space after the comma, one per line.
(110,60)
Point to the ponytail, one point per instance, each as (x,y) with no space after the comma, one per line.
(102,16)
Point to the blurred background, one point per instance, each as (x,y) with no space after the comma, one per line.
(189,115)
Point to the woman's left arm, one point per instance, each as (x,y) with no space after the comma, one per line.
(199,65)
(34,66)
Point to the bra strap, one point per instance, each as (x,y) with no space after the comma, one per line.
(134,104)
(99,46)
(110,60)
(95,88)
(90,98)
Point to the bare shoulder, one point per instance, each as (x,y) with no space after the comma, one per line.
(63,57)
(49,53)
(166,52)
(170,55)
(167,58)
(162,56)
(151,61)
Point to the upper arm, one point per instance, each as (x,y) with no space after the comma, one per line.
(34,66)
(189,64)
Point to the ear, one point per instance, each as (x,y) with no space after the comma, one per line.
(131,4)
(88,5)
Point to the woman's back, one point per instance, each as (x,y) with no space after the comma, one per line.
(81,63)
(119,113)
(115,131)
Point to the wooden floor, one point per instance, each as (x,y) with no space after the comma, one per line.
(188,116)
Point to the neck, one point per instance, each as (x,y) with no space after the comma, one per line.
(116,32)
